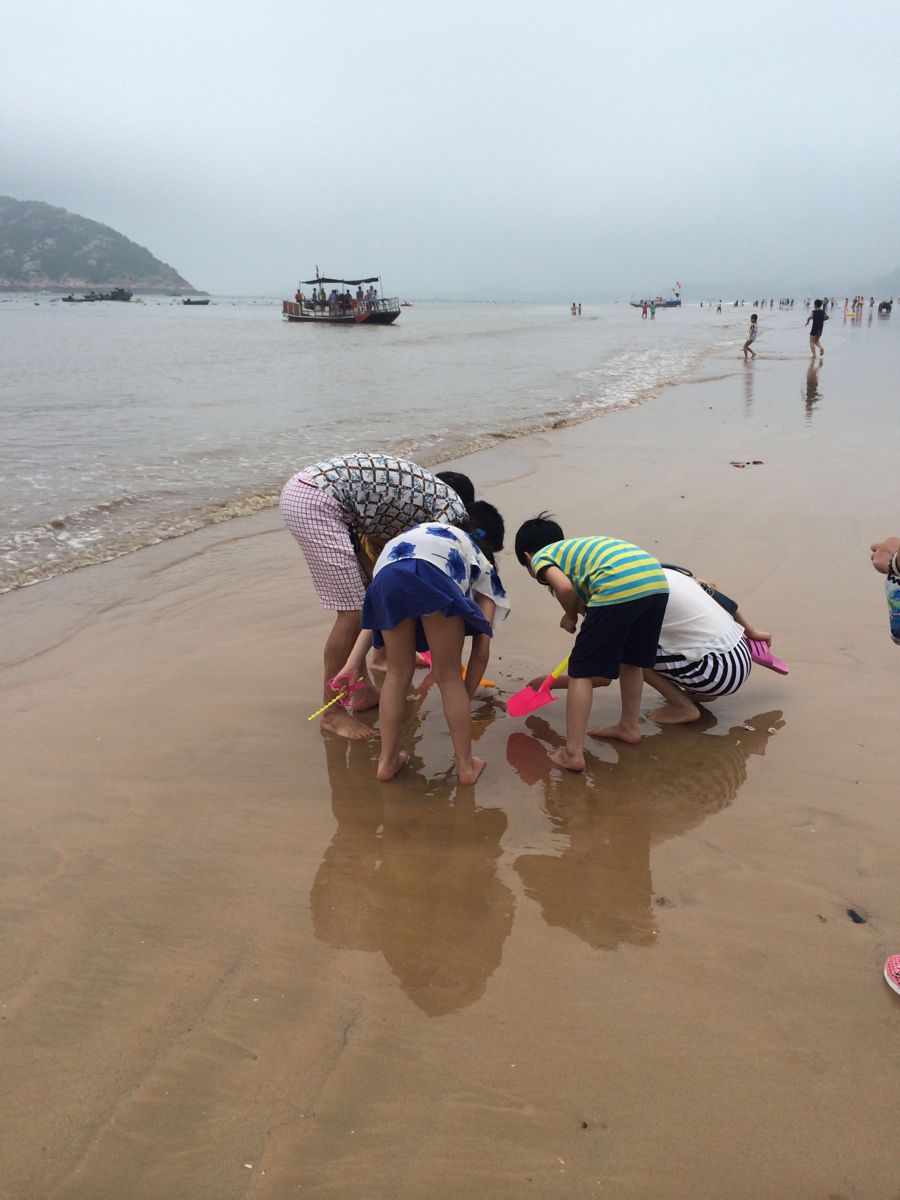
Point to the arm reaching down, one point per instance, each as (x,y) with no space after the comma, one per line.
(564,591)
(480,654)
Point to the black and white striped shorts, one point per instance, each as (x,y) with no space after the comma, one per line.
(714,674)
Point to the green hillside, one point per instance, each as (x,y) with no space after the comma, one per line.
(43,248)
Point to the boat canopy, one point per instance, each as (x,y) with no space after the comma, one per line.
(325,279)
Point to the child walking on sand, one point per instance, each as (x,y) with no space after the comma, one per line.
(751,337)
(433,586)
(622,592)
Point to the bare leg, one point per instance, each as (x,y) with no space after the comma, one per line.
(337,650)
(628,727)
(445,637)
(579,698)
(400,644)
(378,661)
(679,708)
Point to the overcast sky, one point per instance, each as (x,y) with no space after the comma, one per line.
(490,148)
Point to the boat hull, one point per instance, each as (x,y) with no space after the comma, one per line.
(386,313)
(658,303)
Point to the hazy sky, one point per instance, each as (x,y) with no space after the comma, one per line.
(493,148)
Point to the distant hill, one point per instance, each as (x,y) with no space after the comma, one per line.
(43,248)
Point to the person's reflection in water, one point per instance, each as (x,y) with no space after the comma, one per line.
(599,885)
(749,374)
(411,871)
(812,393)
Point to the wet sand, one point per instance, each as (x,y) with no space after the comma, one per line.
(233,964)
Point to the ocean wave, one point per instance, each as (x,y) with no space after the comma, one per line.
(133,520)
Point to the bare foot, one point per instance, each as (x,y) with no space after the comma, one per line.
(470,774)
(364,698)
(563,758)
(387,770)
(346,726)
(675,714)
(623,733)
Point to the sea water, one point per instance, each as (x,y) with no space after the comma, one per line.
(124,424)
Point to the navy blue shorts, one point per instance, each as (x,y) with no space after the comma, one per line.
(612,634)
(412,588)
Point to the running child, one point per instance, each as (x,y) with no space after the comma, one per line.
(751,337)
(818,316)
(433,586)
(622,592)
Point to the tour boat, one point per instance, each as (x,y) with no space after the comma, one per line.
(333,307)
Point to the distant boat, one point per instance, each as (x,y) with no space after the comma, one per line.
(340,308)
(405,304)
(658,302)
(92,297)
(188,300)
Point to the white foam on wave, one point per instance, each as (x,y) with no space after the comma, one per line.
(229,461)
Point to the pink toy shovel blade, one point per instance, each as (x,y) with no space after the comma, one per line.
(528,700)
(763,657)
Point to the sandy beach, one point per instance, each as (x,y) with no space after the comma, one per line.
(235,965)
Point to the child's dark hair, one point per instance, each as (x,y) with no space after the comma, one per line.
(461,484)
(486,526)
(535,534)
(817,304)
(753,318)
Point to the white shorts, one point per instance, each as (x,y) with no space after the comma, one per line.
(322,530)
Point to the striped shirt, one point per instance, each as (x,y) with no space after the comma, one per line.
(603,570)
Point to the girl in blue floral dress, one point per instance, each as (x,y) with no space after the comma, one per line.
(432,587)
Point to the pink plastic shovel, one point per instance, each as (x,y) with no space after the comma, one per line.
(528,700)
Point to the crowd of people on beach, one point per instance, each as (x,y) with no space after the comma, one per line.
(406,559)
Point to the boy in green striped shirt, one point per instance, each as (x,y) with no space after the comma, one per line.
(622,592)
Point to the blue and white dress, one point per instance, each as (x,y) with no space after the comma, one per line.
(428,569)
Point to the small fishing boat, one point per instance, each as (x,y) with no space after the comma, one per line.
(658,301)
(334,307)
(673,300)
(91,297)
(188,300)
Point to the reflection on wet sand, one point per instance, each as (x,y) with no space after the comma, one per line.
(599,885)
(411,872)
(811,391)
(748,387)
